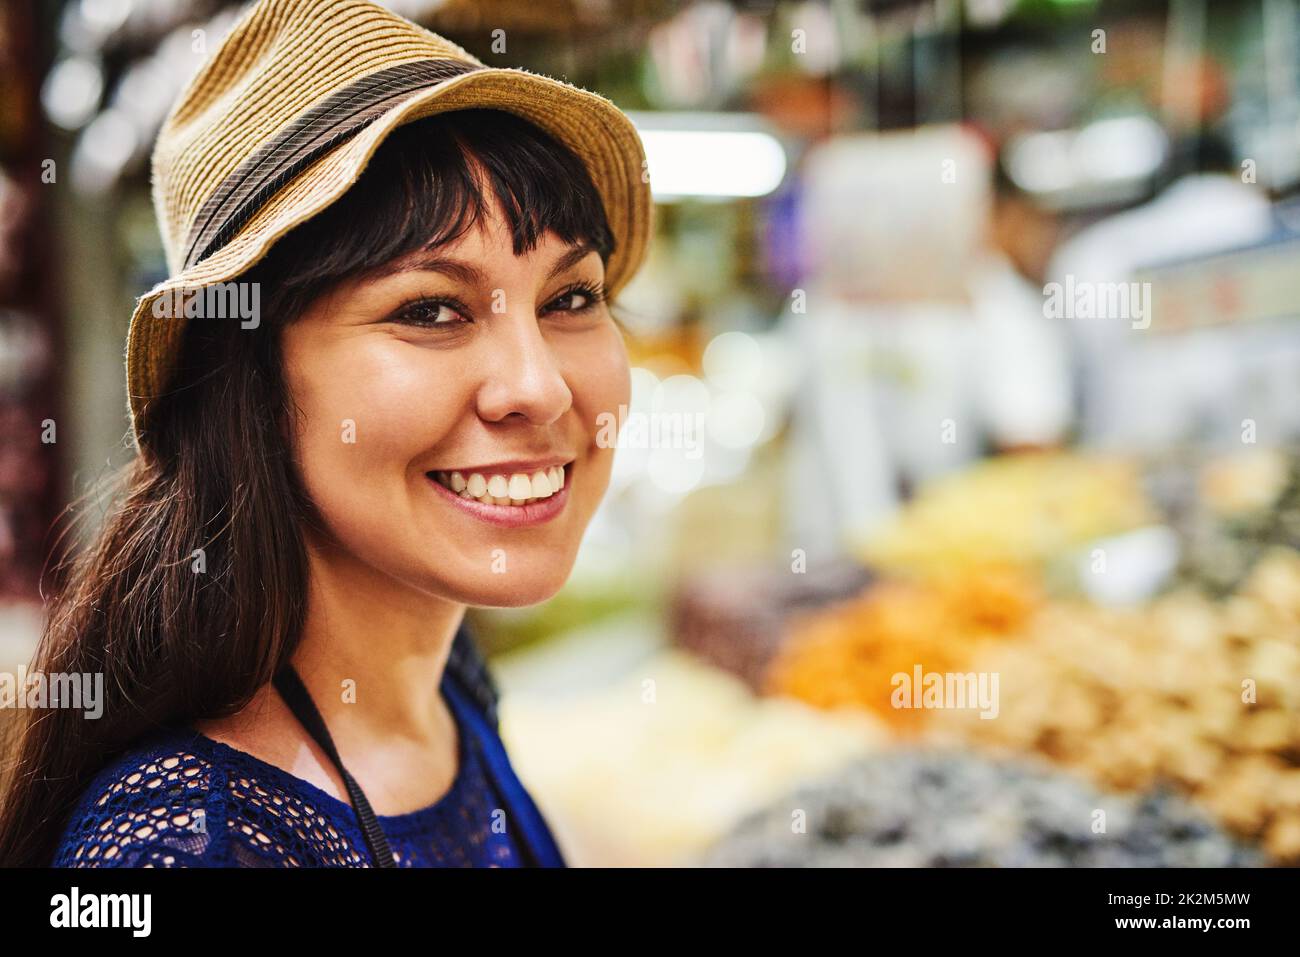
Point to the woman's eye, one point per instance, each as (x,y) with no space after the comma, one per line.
(430,312)
(578,299)
(569,302)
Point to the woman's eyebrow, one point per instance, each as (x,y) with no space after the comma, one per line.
(576,254)
(468,273)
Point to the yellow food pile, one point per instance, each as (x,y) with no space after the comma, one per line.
(1017,509)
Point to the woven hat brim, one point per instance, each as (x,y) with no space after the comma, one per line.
(588,124)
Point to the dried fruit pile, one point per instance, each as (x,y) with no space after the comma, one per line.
(847,655)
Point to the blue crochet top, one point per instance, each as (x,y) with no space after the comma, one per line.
(181,799)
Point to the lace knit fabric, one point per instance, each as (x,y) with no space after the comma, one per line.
(181,799)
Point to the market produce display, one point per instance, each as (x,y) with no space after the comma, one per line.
(922,808)
(1200,694)
(1176,716)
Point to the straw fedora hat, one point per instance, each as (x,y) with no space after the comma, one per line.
(284,115)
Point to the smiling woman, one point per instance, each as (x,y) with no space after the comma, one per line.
(276,596)
(477,345)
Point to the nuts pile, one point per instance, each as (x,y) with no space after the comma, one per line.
(1199,694)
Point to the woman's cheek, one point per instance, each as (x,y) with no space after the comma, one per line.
(366,416)
(602,392)
(387,396)
(604,379)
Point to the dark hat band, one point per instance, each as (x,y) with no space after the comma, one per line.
(338,117)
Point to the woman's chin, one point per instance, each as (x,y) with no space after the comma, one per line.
(510,592)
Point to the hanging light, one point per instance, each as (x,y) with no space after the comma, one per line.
(710,155)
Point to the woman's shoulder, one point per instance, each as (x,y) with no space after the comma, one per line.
(177,798)
(149,806)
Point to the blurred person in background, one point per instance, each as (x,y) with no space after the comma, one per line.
(923,344)
(1021,367)
(1138,386)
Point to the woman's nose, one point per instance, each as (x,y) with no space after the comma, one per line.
(524,375)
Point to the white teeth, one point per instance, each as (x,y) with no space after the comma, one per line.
(516,489)
(520,488)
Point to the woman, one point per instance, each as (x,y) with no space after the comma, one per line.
(408,426)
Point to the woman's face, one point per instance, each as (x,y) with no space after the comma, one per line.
(450,410)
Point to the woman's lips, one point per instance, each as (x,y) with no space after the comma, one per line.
(510,516)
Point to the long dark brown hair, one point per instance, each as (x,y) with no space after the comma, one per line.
(215,472)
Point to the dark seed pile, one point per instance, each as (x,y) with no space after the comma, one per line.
(920,808)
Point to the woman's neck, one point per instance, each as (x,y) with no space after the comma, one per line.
(373,651)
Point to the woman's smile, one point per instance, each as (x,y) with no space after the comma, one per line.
(511,495)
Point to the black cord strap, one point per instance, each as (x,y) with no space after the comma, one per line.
(295,695)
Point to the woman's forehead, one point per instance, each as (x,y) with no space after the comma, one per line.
(473,262)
